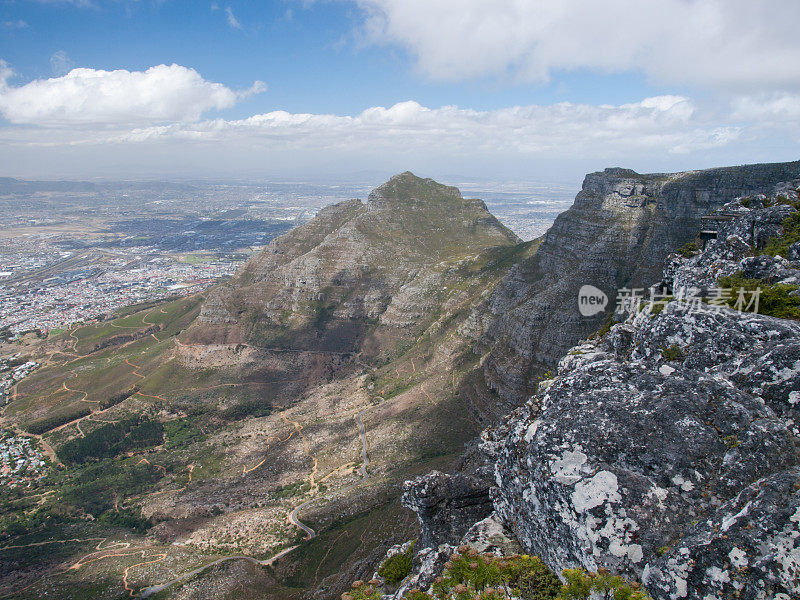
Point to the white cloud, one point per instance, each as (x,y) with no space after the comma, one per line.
(18,24)
(722,43)
(87,96)
(60,63)
(232,20)
(770,108)
(660,124)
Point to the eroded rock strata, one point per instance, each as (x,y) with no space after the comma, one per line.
(618,233)
(667,449)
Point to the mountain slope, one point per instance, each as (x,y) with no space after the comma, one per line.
(295,403)
(320,286)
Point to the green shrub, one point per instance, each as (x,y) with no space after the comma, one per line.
(774,299)
(607,325)
(128,518)
(657,307)
(56,419)
(688,249)
(362,591)
(580,585)
(417,595)
(181,433)
(396,568)
(469,574)
(779,245)
(674,352)
(112,439)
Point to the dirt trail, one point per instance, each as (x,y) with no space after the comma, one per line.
(161,556)
(307,450)
(246,470)
(364,456)
(292,516)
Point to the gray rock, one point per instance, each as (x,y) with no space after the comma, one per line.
(447,505)
(627,453)
(678,467)
(748,549)
(794,252)
(618,233)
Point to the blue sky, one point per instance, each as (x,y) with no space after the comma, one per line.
(102,88)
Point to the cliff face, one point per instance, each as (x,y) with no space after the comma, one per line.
(617,234)
(666,450)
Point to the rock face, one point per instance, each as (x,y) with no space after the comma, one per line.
(446,505)
(668,449)
(618,233)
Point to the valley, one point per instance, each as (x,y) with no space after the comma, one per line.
(181,446)
(266,437)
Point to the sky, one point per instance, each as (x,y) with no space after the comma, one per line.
(512,90)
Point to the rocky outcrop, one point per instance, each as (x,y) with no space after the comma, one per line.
(446,505)
(747,549)
(668,449)
(617,234)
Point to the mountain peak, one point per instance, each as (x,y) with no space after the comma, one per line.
(407,188)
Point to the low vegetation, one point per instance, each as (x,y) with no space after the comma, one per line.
(112,439)
(397,567)
(470,575)
(688,250)
(775,299)
(779,245)
(673,353)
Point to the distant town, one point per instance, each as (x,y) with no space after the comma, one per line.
(71,251)
(21,462)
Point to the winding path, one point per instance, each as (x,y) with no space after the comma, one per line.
(364,456)
(292,517)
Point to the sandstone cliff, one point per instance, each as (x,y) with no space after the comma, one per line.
(667,449)
(326,285)
(618,232)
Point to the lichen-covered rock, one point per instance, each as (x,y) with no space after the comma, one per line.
(627,453)
(732,251)
(447,505)
(669,448)
(794,252)
(748,549)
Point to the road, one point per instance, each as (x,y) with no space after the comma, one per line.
(310,533)
(364,457)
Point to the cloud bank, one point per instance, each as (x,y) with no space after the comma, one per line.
(664,123)
(732,44)
(91,97)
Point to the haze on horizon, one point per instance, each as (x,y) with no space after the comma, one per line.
(490,89)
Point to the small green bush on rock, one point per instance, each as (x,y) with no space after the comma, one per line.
(396,568)
(470,575)
(774,299)
(580,585)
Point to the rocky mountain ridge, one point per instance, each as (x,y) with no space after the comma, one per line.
(319,286)
(666,449)
(618,233)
